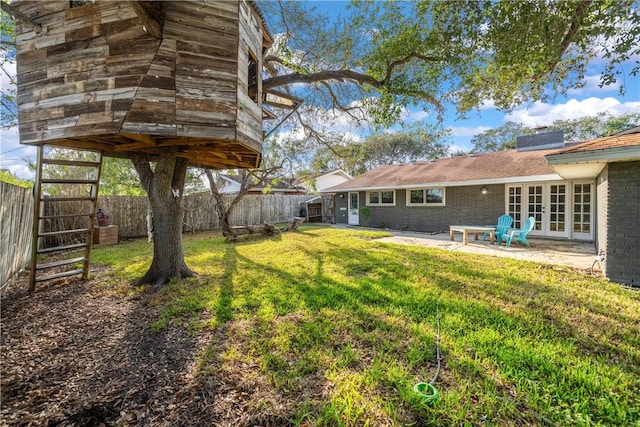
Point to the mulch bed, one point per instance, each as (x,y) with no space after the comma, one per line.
(74,357)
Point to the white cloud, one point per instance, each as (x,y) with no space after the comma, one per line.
(543,114)
(455,148)
(488,104)
(592,85)
(12,154)
(414,116)
(468,131)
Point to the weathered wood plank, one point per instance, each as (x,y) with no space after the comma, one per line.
(36,9)
(116,11)
(215,132)
(155,128)
(217,105)
(223,9)
(33,115)
(95,118)
(199,117)
(189,87)
(151,112)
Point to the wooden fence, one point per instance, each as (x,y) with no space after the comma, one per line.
(16,223)
(130,213)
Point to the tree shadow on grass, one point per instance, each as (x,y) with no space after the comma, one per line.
(481,299)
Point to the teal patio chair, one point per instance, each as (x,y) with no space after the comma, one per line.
(504,225)
(520,235)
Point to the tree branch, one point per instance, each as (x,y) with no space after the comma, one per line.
(318,137)
(350,76)
(393,65)
(336,102)
(141,163)
(339,75)
(7,8)
(581,10)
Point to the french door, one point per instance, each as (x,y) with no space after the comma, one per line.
(547,203)
(561,209)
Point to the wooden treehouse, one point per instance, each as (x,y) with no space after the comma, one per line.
(124,77)
(127,76)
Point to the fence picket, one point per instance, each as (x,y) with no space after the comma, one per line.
(16,219)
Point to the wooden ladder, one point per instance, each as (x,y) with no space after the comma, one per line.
(82,177)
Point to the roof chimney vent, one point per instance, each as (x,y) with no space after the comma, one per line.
(540,140)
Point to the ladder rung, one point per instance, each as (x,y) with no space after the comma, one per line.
(59,275)
(59,263)
(58,233)
(65,216)
(67,199)
(68,181)
(62,162)
(62,248)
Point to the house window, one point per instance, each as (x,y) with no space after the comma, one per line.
(381,198)
(252,77)
(426,196)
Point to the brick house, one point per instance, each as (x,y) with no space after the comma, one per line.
(572,192)
(614,163)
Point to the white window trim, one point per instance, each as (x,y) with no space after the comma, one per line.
(444,196)
(380,198)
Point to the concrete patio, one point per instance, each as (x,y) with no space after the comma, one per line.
(574,254)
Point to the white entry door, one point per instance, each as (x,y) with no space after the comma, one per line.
(548,204)
(354,208)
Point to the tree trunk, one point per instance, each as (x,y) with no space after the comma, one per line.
(222,210)
(223,218)
(165,186)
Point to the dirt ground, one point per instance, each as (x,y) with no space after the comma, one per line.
(74,358)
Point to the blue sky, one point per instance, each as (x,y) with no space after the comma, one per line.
(589,100)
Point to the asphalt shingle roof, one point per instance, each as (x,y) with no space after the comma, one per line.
(501,164)
(604,143)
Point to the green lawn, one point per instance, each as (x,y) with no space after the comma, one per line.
(342,327)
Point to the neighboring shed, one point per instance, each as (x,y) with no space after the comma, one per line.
(128,76)
(314,209)
(320,209)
